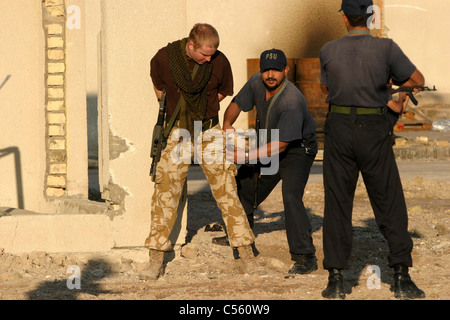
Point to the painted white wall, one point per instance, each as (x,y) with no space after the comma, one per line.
(76,112)
(248,27)
(22,112)
(420,28)
(133,33)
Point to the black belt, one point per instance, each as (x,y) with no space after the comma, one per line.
(359,110)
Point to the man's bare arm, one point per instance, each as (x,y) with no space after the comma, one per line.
(231,114)
(157,92)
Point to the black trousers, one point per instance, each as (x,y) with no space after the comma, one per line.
(294,169)
(362,143)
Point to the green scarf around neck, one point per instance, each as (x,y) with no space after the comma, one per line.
(194,95)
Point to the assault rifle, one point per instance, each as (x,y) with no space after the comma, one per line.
(158,139)
(411,90)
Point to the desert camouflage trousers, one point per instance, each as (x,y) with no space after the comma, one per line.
(171,174)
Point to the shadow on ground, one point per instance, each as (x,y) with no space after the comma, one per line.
(78,285)
(369,246)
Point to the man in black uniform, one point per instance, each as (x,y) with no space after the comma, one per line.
(281,108)
(358,138)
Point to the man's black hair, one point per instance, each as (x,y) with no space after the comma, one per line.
(359,21)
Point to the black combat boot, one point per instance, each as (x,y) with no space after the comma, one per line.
(304,263)
(335,287)
(404,287)
(221,241)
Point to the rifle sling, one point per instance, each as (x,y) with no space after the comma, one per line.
(273,102)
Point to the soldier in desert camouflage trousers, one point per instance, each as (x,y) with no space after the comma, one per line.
(196,77)
(171,176)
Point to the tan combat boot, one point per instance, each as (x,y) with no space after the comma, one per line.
(249,261)
(155,266)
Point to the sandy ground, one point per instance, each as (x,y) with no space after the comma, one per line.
(204,271)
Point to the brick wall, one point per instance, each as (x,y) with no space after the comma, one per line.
(54,21)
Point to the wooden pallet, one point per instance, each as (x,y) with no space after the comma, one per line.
(412,126)
(412,121)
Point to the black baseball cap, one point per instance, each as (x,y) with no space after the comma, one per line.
(272,59)
(356,7)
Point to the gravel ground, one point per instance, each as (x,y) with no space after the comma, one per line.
(203,271)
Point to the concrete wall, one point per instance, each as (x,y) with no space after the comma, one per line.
(108,47)
(93,28)
(22,116)
(248,27)
(108,57)
(76,111)
(420,28)
(132,34)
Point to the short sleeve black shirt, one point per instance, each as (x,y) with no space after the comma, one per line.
(289,114)
(356,70)
(221,80)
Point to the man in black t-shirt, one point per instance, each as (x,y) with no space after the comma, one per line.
(282,111)
(358,138)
